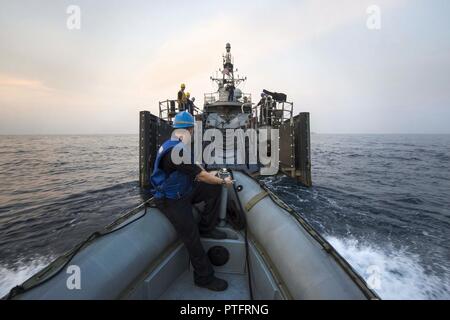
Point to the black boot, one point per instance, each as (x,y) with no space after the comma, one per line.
(213,234)
(216,284)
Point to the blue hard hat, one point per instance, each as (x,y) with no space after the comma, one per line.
(183,120)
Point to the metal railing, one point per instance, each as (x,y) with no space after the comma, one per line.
(169,108)
(211,98)
(273,113)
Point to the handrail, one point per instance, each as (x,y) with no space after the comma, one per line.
(169,108)
(267,114)
(213,97)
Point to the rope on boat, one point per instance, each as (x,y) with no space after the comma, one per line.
(247,256)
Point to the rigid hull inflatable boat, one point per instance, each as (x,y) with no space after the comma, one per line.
(270,251)
(277,256)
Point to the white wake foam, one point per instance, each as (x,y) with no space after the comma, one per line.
(393,274)
(17,274)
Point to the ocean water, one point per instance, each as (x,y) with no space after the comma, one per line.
(383,201)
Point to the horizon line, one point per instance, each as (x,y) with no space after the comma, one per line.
(137,133)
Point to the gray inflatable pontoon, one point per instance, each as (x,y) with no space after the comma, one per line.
(278,256)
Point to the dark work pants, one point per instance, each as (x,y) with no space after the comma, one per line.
(179,212)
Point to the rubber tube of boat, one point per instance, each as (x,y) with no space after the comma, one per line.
(300,262)
(223,173)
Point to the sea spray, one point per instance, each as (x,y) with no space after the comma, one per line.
(400,273)
(11,276)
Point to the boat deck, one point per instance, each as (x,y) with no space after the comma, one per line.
(184,288)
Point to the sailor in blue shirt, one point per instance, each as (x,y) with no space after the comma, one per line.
(177,187)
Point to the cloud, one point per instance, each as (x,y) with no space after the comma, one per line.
(257,35)
(284,45)
(7,81)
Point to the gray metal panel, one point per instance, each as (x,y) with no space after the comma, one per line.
(302,144)
(153,131)
(287,159)
(144,148)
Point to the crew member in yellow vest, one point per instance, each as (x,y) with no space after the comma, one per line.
(189,103)
(182,99)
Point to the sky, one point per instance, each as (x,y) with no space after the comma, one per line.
(129,55)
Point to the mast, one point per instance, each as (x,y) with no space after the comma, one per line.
(228,77)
